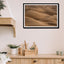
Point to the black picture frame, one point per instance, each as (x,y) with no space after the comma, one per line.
(48,27)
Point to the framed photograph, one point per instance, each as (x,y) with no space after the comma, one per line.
(41,15)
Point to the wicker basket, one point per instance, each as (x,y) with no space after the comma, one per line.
(31,52)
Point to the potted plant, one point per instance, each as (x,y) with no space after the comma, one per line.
(13,48)
(4,59)
(2,6)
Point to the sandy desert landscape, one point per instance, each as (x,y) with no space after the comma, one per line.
(40,15)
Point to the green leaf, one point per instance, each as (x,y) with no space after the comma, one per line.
(2,5)
(13,46)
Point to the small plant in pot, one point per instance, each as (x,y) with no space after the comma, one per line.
(13,48)
(2,6)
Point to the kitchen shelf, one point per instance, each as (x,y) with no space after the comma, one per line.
(8,22)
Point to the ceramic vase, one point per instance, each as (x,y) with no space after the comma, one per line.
(14,51)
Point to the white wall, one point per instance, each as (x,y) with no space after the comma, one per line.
(47,40)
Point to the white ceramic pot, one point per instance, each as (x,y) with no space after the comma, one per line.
(14,51)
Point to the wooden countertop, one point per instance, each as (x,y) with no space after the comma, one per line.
(49,56)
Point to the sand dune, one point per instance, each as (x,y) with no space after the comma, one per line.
(40,15)
(34,22)
(36,15)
